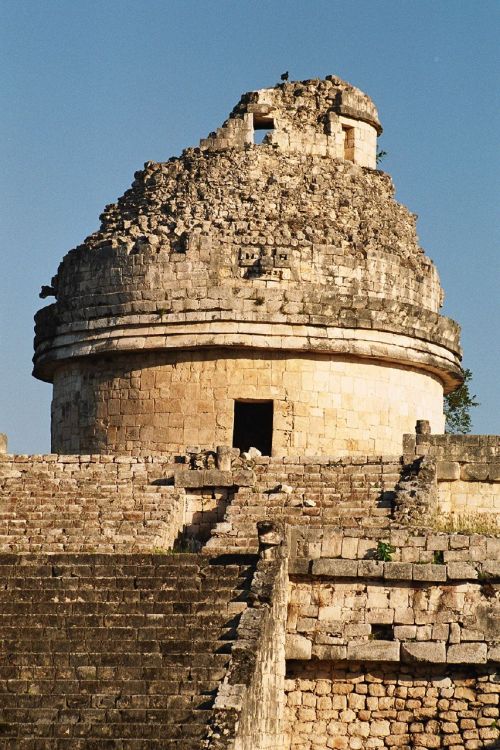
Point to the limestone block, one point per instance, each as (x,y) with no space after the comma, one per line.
(373,651)
(461,571)
(335,568)
(192,479)
(3,442)
(447,470)
(298,566)
(398,571)
(467,653)
(329,653)
(491,568)
(370,568)
(493,549)
(350,548)
(494,653)
(224,457)
(429,572)
(423,652)
(331,547)
(474,472)
(298,647)
(405,632)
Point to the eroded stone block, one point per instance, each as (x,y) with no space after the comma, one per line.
(467,653)
(298,647)
(423,652)
(373,651)
(335,568)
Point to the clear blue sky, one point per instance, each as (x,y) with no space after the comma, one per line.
(91,89)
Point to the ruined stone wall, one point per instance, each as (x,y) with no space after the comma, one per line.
(463,472)
(154,403)
(316,496)
(337,613)
(391,653)
(358,706)
(324,117)
(249,707)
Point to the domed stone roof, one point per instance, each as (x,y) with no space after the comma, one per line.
(288,243)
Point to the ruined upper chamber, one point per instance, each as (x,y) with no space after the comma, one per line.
(291,243)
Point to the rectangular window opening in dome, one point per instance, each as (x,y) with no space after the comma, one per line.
(262,126)
(253,426)
(348,142)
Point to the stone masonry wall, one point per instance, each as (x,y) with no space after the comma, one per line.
(462,475)
(329,118)
(389,653)
(250,702)
(311,495)
(153,403)
(332,615)
(357,706)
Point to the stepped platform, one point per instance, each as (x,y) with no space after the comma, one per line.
(348,494)
(115,651)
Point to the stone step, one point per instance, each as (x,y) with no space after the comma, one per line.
(135,664)
(74,743)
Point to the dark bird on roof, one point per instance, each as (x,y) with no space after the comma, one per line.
(284,76)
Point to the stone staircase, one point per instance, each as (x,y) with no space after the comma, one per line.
(352,497)
(115,651)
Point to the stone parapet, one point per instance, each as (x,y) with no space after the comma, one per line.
(457,474)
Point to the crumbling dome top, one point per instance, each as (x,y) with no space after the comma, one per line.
(324,117)
(292,244)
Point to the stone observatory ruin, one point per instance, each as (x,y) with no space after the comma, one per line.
(268,294)
(252,532)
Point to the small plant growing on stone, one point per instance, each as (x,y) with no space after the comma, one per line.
(380,155)
(438,557)
(385,551)
(457,406)
(162,312)
(259,300)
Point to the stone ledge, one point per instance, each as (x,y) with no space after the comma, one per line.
(429,572)
(373,651)
(194,479)
(336,568)
(299,647)
(423,652)
(467,653)
(394,571)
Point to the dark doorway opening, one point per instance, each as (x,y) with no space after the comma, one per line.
(253,426)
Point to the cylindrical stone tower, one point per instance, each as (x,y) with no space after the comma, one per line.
(252,293)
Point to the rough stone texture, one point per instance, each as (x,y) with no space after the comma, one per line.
(331,705)
(291,255)
(452,474)
(344,492)
(250,702)
(79,503)
(373,617)
(115,650)
(151,403)
(240,272)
